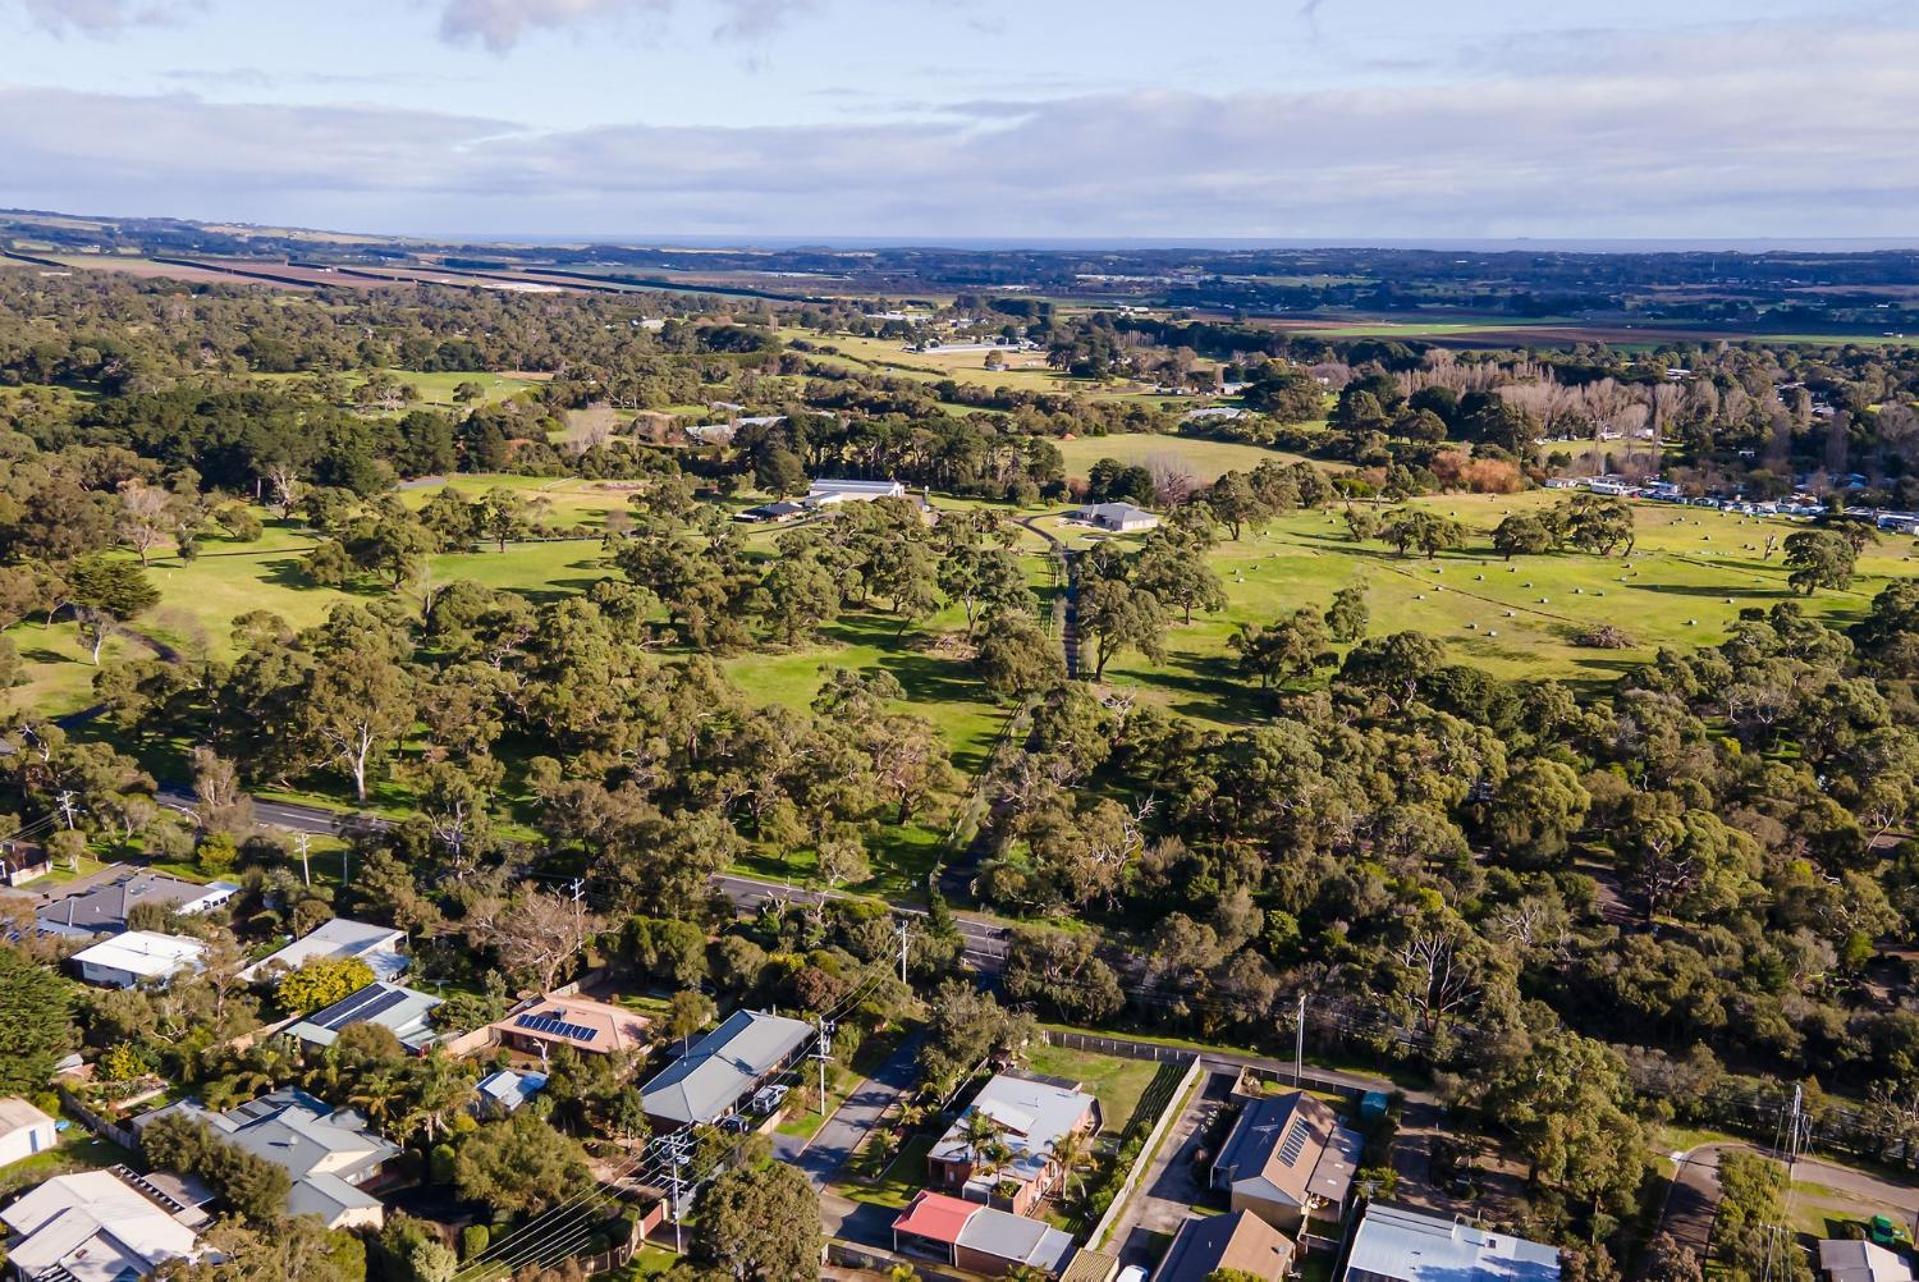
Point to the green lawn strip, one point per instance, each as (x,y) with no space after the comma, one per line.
(1116,1082)
(1207,460)
(904,1176)
(840,1082)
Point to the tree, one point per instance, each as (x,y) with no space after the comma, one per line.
(760,1223)
(521,1166)
(536,934)
(36,1023)
(1348,615)
(148,515)
(1361,522)
(321,981)
(779,472)
(1120,617)
(1535,811)
(1174,569)
(1236,503)
(1427,531)
(1291,649)
(1566,1103)
(1819,559)
(1016,660)
(687,1013)
(1599,523)
(358,700)
(1393,665)
(105,593)
(502,515)
(255,1188)
(1521,532)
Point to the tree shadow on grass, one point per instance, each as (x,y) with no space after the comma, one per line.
(1722,592)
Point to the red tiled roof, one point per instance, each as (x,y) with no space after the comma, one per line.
(936,1217)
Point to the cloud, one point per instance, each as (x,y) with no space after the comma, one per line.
(1808,133)
(104,18)
(500,24)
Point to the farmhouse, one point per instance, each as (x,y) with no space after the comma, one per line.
(828,493)
(1393,1244)
(1240,1241)
(103,910)
(773,513)
(979,1239)
(1118,518)
(724,1067)
(24,1131)
(592,1028)
(328,1152)
(1030,1118)
(134,956)
(1288,1159)
(338,939)
(403,1010)
(92,1227)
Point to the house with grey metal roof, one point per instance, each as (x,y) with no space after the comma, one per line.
(1288,1159)
(392,1006)
(1393,1244)
(328,1152)
(103,910)
(338,939)
(1116,518)
(722,1068)
(1030,1116)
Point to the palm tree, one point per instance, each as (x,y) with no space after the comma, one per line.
(1070,1151)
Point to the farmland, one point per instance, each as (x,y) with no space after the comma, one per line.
(1205,460)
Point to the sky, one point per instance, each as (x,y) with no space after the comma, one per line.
(1347,121)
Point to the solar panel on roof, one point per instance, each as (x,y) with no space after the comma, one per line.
(1295,1143)
(557,1027)
(347,1008)
(373,1009)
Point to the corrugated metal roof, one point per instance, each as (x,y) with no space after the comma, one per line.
(704,1083)
(1393,1242)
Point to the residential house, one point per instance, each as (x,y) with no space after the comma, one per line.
(1240,1241)
(1030,1116)
(1288,1159)
(723,1068)
(593,1028)
(772,513)
(1857,1260)
(1116,518)
(103,909)
(404,1010)
(92,1227)
(24,1131)
(1393,1244)
(337,940)
(136,956)
(979,1239)
(329,1152)
(503,1092)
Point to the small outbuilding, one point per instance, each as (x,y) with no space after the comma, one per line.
(1857,1260)
(24,1131)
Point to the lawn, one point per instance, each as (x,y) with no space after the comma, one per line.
(1116,1082)
(904,1176)
(1206,460)
(1694,569)
(436,388)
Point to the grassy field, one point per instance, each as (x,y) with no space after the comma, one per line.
(1205,460)
(436,388)
(1117,1083)
(1025,371)
(1692,573)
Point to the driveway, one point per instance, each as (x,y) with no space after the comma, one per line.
(827,1151)
(1170,1188)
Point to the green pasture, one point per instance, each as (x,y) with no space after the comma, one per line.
(1207,460)
(435,387)
(1692,572)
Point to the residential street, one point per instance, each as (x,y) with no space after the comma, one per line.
(834,1142)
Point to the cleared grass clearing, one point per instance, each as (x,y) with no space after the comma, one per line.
(1691,573)
(1206,460)
(1026,371)
(435,387)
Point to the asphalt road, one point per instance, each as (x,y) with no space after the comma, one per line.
(834,1142)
